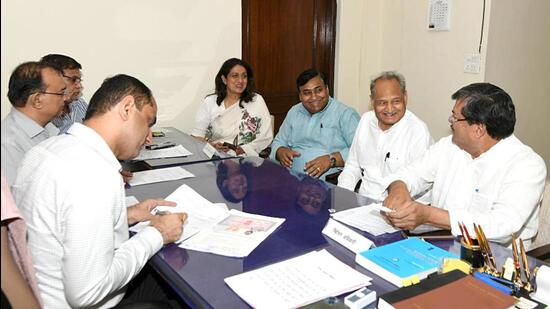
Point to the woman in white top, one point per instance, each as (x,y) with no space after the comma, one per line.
(234,118)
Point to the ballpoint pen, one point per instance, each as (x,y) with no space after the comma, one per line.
(470,241)
(481,244)
(527,286)
(489,253)
(463,234)
(517,275)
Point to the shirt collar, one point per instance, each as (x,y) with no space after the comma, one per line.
(91,138)
(27,125)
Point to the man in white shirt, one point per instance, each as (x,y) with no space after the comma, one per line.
(36,91)
(480,174)
(71,192)
(387,138)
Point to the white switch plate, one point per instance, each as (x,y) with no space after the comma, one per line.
(472,63)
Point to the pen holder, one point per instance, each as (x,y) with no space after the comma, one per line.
(471,253)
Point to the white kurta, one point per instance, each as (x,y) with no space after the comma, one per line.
(375,153)
(71,193)
(500,190)
(250,125)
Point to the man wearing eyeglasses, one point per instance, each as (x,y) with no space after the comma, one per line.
(480,174)
(37,94)
(75,105)
(317,133)
(387,138)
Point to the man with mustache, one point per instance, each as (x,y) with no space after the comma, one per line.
(481,174)
(317,133)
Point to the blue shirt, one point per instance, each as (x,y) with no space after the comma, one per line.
(330,130)
(77,112)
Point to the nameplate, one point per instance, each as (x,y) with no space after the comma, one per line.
(346,236)
(209,150)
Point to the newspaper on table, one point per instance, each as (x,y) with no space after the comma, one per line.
(214,229)
(172,152)
(366,218)
(297,282)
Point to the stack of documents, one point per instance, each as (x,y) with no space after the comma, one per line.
(297,282)
(366,218)
(177,151)
(210,228)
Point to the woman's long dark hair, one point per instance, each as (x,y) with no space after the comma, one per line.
(221,88)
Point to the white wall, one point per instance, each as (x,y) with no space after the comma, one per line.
(174,46)
(177,46)
(392,35)
(518,61)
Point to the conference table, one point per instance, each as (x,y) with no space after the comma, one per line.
(171,135)
(305,202)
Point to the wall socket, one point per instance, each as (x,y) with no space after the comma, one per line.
(472,63)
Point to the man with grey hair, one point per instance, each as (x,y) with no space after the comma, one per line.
(387,138)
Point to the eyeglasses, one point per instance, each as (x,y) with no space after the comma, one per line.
(73,79)
(452,119)
(63,93)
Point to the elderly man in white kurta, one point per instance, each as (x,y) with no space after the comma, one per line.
(387,138)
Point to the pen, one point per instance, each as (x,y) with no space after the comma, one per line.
(463,234)
(516,258)
(160,146)
(524,258)
(489,253)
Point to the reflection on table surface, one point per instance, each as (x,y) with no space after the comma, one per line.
(263,187)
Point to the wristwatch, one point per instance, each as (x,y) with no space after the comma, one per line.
(332,159)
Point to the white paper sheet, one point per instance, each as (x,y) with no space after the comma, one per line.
(237,235)
(366,218)
(297,282)
(176,151)
(201,213)
(159,175)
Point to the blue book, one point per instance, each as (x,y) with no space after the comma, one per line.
(407,260)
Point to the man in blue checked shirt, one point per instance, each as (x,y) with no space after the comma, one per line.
(317,133)
(75,106)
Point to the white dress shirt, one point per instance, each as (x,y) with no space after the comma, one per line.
(71,193)
(499,190)
(375,153)
(19,134)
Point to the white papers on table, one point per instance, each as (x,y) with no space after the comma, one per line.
(201,213)
(237,235)
(297,282)
(159,175)
(212,228)
(176,151)
(366,218)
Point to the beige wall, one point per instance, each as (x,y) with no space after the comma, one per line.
(518,60)
(393,35)
(376,35)
(175,46)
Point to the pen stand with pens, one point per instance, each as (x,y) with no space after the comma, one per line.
(472,253)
